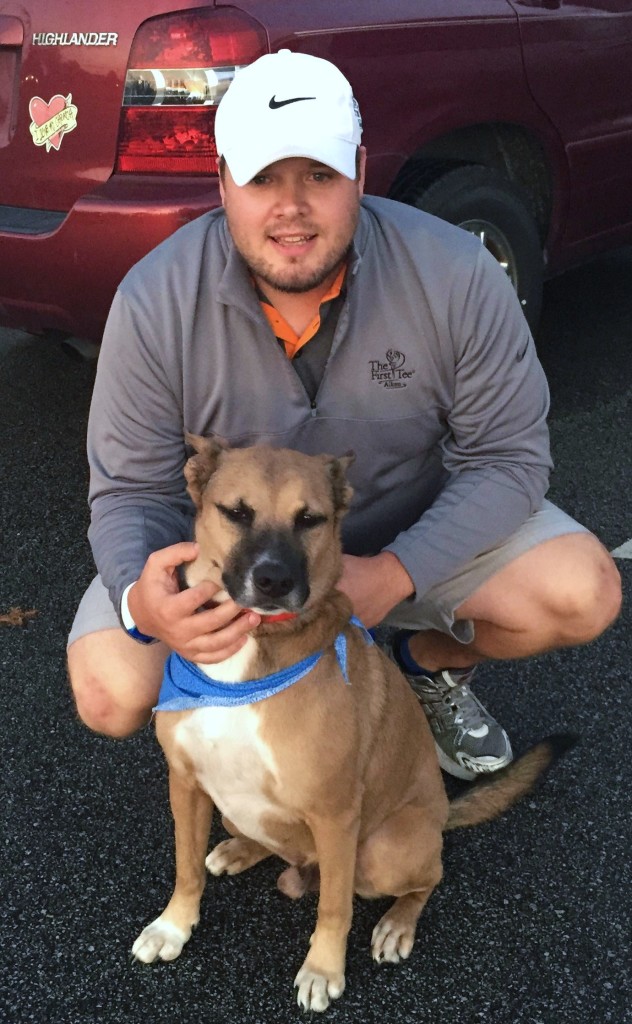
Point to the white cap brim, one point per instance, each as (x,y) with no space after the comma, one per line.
(335,153)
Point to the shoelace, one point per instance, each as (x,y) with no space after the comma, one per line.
(455,702)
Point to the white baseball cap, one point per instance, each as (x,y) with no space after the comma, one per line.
(288,104)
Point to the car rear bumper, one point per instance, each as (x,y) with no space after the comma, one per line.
(74,270)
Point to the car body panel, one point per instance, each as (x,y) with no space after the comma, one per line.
(83,261)
(590,104)
(429,76)
(56,62)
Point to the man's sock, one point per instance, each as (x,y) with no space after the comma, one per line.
(404,658)
(407,663)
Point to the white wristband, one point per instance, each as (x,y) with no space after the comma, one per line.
(128,622)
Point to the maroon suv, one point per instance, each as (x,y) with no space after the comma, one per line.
(512,118)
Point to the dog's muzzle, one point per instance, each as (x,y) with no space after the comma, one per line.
(268,572)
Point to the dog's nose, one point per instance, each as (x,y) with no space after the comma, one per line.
(273,579)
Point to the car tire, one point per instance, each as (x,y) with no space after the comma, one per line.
(482,201)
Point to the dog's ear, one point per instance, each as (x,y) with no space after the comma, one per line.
(199,469)
(341,489)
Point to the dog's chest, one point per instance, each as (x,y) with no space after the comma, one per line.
(233,764)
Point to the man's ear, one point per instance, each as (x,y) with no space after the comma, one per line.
(221,171)
(341,489)
(361,169)
(199,469)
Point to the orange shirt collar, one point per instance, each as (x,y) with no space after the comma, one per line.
(291,340)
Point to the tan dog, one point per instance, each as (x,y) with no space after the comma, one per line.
(337,773)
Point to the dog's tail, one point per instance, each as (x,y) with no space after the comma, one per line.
(494,794)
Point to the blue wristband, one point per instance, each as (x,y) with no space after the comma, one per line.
(141,637)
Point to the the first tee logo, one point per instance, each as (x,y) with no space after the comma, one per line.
(391,372)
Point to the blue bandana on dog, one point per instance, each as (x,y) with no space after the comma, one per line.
(185,686)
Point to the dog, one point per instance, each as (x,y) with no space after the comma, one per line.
(315,748)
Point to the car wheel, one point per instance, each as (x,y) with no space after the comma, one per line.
(485,203)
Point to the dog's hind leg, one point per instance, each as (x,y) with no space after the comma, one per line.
(235,855)
(402,858)
(232,856)
(394,935)
(192,809)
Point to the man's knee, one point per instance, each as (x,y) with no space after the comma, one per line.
(563,592)
(101,711)
(587,600)
(114,686)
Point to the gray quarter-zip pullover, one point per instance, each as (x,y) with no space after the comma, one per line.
(432,380)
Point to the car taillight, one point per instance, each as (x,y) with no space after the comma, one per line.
(179,68)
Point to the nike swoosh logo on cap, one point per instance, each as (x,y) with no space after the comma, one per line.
(274,104)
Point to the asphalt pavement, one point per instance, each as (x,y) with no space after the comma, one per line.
(532,922)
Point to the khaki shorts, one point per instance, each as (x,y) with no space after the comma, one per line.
(436,610)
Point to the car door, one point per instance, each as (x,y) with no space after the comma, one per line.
(58,137)
(62,69)
(578,60)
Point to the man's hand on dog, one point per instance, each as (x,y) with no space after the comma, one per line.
(160,609)
(374,585)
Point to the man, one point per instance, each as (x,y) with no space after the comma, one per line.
(307,316)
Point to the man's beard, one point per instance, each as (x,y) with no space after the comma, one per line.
(293,278)
(297,280)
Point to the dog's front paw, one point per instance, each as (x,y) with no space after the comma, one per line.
(316,989)
(392,940)
(159,940)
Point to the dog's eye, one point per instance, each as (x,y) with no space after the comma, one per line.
(240,513)
(306,520)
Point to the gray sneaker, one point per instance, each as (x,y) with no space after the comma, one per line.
(469,741)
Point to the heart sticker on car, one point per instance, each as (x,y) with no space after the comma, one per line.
(51,121)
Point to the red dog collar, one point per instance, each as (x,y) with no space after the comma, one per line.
(281,617)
